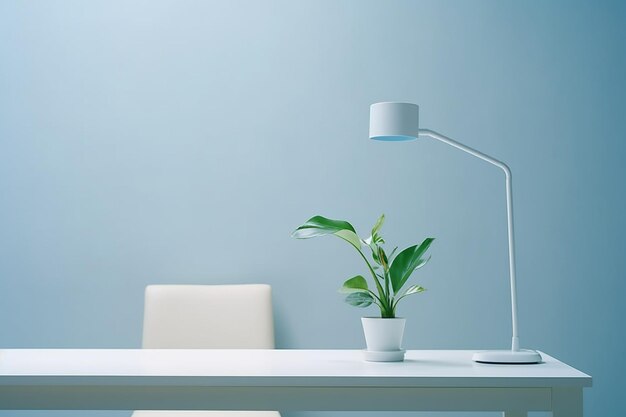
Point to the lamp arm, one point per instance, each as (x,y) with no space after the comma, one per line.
(509,211)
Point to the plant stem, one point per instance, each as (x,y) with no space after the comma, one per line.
(385,309)
(381,255)
(373,294)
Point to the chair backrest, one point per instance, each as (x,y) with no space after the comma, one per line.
(208,317)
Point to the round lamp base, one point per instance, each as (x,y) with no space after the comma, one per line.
(520,357)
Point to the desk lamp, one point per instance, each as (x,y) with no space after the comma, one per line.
(394,122)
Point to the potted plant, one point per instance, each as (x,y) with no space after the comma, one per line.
(389,274)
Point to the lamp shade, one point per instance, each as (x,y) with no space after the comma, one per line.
(393,122)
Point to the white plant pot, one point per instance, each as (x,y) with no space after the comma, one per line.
(383,338)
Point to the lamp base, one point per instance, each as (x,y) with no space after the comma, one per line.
(519,357)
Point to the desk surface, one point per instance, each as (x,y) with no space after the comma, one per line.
(330,380)
(422,368)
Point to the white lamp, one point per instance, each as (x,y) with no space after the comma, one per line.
(390,121)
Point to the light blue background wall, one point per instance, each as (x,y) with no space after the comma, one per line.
(181,142)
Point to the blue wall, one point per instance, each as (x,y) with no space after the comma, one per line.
(181,142)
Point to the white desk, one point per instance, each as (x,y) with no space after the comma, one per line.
(127,379)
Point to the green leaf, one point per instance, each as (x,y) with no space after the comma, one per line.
(360,299)
(355,284)
(375,238)
(375,254)
(414,289)
(320,226)
(392,254)
(378,225)
(422,262)
(406,262)
(382,256)
(350,237)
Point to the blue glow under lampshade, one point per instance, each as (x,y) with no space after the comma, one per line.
(394,122)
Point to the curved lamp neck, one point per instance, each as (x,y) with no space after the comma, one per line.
(509,211)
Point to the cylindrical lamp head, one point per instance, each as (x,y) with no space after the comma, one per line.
(390,121)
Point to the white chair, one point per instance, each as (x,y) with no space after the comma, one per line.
(208,317)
